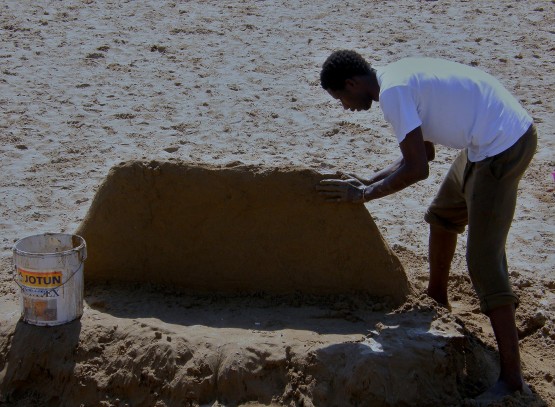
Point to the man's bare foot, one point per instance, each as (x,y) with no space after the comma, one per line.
(501,389)
(440,299)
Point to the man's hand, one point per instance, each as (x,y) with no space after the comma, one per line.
(339,190)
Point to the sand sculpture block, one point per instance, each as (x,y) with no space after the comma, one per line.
(234,229)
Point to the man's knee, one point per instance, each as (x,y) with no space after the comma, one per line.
(438,221)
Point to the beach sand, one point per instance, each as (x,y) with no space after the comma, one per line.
(87,85)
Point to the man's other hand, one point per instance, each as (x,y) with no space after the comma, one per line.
(339,190)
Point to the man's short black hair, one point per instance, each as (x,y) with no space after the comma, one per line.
(340,66)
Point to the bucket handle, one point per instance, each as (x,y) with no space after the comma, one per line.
(46,289)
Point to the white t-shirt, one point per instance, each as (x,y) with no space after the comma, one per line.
(456,106)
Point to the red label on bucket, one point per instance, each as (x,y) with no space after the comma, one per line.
(49,279)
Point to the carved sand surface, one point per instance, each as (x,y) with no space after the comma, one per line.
(234,229)
(138,347)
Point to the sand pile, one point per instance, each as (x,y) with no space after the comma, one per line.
(234,228)
(135,347)
(223,232)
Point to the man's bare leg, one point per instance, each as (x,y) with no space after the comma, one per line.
(510,376)
(442,245)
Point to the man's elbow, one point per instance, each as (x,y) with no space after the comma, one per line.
(421,173)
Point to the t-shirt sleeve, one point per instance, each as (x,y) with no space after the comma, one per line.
(399,109)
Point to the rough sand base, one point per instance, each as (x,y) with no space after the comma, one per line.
(234,229)
(344,351)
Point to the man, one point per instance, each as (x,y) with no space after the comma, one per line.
(428,101)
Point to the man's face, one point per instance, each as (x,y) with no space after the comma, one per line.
(354,96)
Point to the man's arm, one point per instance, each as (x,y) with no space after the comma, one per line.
(411,168)
(390,169)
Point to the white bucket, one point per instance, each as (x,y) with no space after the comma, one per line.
(49,271)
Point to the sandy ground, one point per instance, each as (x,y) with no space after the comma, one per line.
(87,85)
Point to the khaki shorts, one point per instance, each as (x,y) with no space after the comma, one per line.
(482,195)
